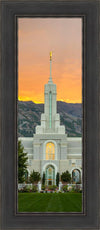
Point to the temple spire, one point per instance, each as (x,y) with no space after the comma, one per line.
(50,77)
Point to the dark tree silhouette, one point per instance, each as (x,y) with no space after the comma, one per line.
(22,163)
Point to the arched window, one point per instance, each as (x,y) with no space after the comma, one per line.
(76,176)
(50,151)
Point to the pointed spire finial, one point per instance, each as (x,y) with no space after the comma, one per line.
(50,78)
(50,55)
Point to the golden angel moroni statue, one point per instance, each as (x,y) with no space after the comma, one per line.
(50,55)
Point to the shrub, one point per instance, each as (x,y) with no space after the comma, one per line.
(73,189)
(22,163)
(76,188)
(43,187)
(57,179)
(65,188)
(27,181)
(20,190)
(34,177)
(26,189)
(66,177)
(34,188)
(52,187)
(43,178)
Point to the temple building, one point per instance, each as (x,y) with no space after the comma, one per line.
(50,150)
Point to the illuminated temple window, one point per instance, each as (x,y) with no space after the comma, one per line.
(50,151)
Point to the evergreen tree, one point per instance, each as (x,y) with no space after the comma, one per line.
(43,178)
(34,177)
(66,177)
(22,163)
(57,179)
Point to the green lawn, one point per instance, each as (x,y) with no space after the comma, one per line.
(49,202)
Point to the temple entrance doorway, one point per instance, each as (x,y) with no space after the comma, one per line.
(50,175)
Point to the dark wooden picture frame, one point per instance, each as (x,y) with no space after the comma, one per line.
(88,10)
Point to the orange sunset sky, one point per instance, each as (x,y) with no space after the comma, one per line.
(36,38)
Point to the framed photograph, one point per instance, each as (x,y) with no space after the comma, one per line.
(50,123)
(50,107)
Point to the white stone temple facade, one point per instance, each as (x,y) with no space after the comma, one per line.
(50,150)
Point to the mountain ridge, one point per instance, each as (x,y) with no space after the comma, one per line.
(29,115)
